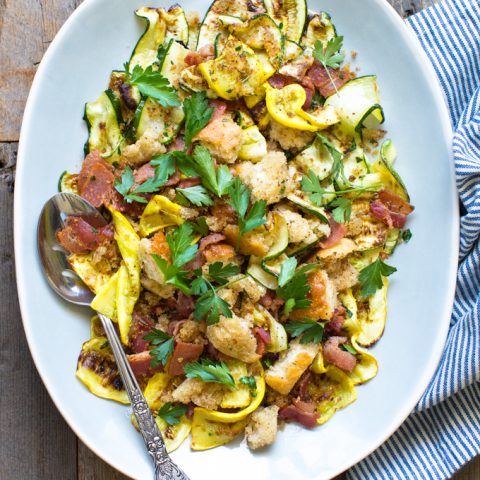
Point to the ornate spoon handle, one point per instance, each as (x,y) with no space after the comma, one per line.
(165,468)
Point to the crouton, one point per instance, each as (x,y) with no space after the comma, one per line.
(223,138)
(234,337)
(207,395)
(261,429)
(323,296)
(142,151)
(228,295)
(342,274)
(255,242)
(253,289)
(268,179)
(152,277)
(289,138)
(219,252)
(301,229)
(285,372)
(342,249)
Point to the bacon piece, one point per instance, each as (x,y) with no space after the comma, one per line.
(80,237)
(143,173)
(174,179)
(219,109)
(337,232)
(391,209)
(395,203)
(141,364)
(184,305)
(183,353)
(278,80)
(301,412)
(211,240)
(263,339)
(177,144)
(196,263)
(203,55)
(321,80)
(190,182)
(332,353)
(271,302)
(303,386)
(95,180)
(174,327)
(309,87)
(141,325)
(335,325)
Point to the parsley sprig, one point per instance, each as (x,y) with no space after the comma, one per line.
(197,115)
(196,195)
(240,200)
(165,167)
(216,180)
(163,347)
(293,285)
(330,56)
(153,84)
(171,413)
(310,331)
(210,305)
(371,277)
(182,251)
(209,371)
(124,184)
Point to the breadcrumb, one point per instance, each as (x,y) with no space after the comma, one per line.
(261,429)
(268,179)
(289,138)
(142,151)
(207,395)
(301,229)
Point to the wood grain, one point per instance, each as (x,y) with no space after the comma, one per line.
(35,442)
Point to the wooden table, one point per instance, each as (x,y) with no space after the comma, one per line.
(35,442)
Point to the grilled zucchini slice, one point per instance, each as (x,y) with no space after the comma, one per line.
(97,370)
(319,28)
(145,51)
(173,61)
(104,132)
(261,33)
(358,104)
(177,25)
(215,19)
(159,122)
(292,14)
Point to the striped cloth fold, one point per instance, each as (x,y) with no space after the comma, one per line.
(443,432)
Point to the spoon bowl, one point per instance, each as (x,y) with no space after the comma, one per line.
(54,259)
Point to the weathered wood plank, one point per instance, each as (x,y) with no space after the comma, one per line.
(26,29)
(90,467)
(35,442)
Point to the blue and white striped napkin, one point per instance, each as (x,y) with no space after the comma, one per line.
(443,432)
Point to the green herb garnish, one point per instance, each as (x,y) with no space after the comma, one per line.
(210,372)
(371,277)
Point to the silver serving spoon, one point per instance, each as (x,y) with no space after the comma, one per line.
(70,287)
